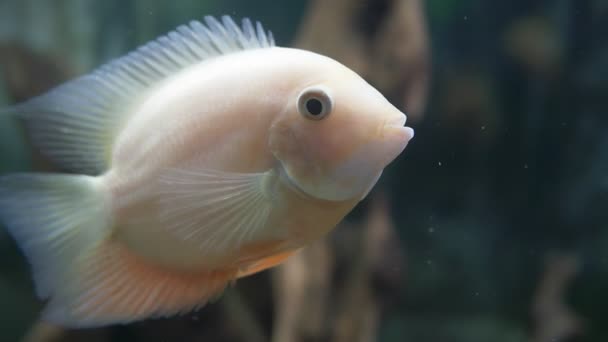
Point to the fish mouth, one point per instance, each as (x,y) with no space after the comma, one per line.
(396,126)
(396,120)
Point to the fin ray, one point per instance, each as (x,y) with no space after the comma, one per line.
(63,226)
(114,286)
(264,263)
(75,124)
(215,210)
(53,218)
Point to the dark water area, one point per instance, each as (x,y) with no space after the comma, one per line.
(490,226)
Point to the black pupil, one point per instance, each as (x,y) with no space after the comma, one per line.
(314,106)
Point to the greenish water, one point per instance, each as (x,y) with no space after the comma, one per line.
(498,204)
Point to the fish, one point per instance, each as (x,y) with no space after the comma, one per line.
(201,157)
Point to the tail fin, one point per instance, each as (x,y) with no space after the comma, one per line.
(54,219)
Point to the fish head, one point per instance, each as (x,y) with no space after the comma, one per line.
(336,135)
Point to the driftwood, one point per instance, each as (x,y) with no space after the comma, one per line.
(302,292)
(385,42)
(310,306)
(27,73)
(553,319)
(42,331)
(358,309)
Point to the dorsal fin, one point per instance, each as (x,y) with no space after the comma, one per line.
(75,123)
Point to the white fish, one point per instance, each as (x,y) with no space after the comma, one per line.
(206,155)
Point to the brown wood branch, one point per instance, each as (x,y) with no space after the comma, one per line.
(44,332)
(400,57)
(358,310)
(553,319)
(327,28)
(240,316)
(27,73)
(395,58)
(302,290)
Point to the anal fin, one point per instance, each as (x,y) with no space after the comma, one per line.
(111,285)
(265,263)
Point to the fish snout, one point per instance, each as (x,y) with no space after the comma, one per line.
(394,129)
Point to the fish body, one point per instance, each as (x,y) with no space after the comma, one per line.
(206,155)
(233,138)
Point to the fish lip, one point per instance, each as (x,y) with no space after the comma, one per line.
(404,132)
(396,124)
(409,132)
(396,120)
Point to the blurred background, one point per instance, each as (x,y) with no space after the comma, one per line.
(490,227)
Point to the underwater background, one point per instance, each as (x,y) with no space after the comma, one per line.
(491,226)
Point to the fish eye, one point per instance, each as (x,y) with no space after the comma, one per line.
(314,104)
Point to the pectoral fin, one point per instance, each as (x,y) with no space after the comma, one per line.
(218,211)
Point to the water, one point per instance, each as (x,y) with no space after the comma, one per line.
(491,226)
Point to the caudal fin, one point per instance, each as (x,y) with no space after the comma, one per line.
(54,219)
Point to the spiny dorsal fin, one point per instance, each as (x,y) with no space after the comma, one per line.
(75,123)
